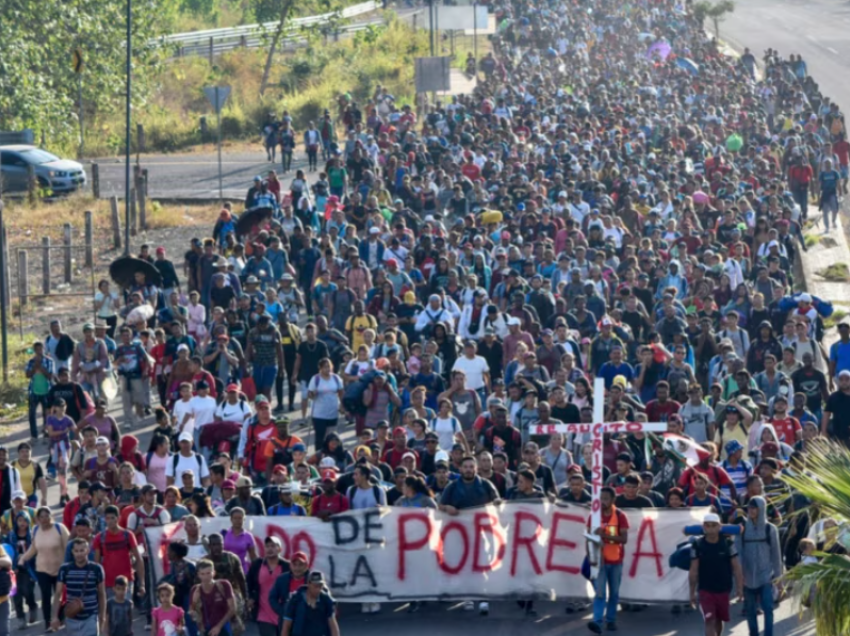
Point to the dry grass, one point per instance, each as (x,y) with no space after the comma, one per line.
(29,223)
(836,273)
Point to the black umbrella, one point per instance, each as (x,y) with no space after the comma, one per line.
(123,271)
(249,218)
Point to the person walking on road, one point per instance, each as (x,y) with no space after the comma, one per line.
(614,534)
(714,560)
(310,611)
(761,561)
(85,607)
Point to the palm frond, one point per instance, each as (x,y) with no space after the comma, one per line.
(826,479)
(830,581)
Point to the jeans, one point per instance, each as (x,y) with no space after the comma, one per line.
(610,575)
(34,401)
(86,627)
(753,598)
(264,377)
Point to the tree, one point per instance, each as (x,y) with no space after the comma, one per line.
(826,482)
(714,11)
(38,88)
(284,7)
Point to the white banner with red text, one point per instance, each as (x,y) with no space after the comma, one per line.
(511,551)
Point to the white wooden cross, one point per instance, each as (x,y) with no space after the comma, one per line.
(597,431)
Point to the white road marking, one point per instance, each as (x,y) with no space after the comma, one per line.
(832,50)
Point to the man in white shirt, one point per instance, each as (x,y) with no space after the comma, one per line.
(182,410)
(475,368)
(202,408)
(187,460)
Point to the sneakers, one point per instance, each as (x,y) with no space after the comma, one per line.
(612,627)
(484,608)
(595,627)
(468,606)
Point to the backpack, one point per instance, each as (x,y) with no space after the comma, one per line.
(376,492)
(103,540)
(681,557)
(352,397)
(176,460)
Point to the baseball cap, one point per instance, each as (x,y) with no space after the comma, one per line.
(19,494)
(185,437)
(711,518)
(244,482)
(232,388)
(328,474)
(103,440)
(228,484)
(327,462)
(299,556)
(399,430)
(733,446)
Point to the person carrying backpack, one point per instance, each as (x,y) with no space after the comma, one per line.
(714,559)
(761,561)
(311,610)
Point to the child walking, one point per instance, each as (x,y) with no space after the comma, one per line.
(59,428)
(168,619)
(119,610)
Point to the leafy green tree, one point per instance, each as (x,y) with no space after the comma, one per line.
(38,88)
(714,11)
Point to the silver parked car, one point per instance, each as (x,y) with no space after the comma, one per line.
(60,176)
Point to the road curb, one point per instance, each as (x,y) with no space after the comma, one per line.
(830,249)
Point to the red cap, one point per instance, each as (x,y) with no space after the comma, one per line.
(228,483)
(328,474)
(506,236)
(399,430)
(231,387)
(160,250)
(280,469)
(299,556)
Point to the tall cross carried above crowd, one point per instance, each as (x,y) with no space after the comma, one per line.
(597,431)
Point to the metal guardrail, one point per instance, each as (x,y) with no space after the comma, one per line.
(250,31)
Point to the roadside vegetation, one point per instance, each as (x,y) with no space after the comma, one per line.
(304,83)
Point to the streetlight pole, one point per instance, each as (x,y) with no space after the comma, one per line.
(127,137)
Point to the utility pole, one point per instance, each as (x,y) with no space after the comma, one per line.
(127,201)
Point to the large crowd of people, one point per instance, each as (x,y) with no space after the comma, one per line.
(617,199)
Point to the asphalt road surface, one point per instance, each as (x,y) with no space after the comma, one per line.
(815,29)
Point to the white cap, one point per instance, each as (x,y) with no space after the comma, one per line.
(513,320)
(374,230)
(441,456)
(19,494)
(327,462)
(804,298)
(185,436)
(711,518)
(182,347)
(102,440)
